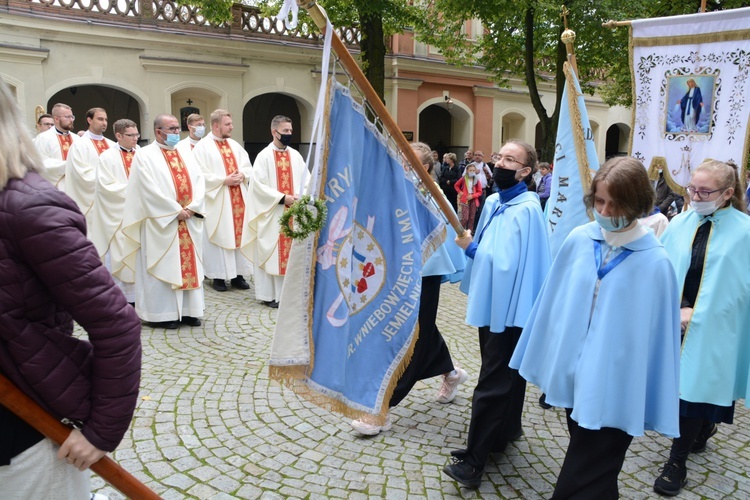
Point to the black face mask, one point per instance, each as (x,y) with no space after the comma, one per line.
(285,139)
(504,178)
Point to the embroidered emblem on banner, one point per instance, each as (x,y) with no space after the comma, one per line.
(65,142)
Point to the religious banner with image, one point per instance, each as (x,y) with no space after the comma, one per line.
(691,91)
(347,321)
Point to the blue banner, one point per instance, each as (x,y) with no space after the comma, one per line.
(574,165)
(366,274)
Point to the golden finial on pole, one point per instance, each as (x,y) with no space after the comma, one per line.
(568,37)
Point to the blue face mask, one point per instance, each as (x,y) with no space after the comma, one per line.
(610,224)
(172,140)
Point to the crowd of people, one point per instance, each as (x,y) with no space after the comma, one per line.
(626,331)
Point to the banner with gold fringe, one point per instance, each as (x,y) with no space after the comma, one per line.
(347,319)
(574,165)
(691,91)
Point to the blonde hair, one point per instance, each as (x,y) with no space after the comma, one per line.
(218,114)
(17,153)
(727,176)
(423,152)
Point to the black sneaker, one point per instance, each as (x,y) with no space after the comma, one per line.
(700,442)
(465,473)
(672,479)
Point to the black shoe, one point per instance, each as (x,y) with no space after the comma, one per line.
(271,303)
(465,473)
(700,442)
(169,325)
(190,321)
(503,442)
(220,285)
(543,402)
(459,454)
(240,283)
(672,479)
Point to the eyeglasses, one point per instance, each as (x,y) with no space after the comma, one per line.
(132,135)
(505,159)
(69,117)
(702,194)
(174,130)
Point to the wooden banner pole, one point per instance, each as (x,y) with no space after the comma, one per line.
(19,403)
(381,111)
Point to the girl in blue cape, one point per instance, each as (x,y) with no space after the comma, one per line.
(709,247)
(506,268)
(603,338)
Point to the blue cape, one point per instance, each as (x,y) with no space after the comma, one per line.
(613,360)
(510,264)
(715,361)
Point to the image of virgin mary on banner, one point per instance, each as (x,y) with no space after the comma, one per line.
(691,88)
(347,320)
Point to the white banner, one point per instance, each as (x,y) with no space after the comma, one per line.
(691,84)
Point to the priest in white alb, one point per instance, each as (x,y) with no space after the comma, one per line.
(226,170)
(104,220)
(54,144)
(83,160)
(164,225)
(276,182)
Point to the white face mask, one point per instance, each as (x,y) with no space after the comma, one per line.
(199,131)
(708,207)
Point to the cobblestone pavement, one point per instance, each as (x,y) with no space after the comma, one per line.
(210,424)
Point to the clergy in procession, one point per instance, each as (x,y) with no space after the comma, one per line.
(54,144)
(163,223)
(105,219)
(226,170)
(196,130)
(277,177)
(83,160)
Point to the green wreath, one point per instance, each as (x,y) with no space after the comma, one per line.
(306,219)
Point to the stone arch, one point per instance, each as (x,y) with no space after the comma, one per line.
(456,135)
(617,140)
(512,125)
(117,102)
(260,109)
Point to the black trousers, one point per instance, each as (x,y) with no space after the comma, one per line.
(431,356)
(498,397)
(592,463)
(689,430)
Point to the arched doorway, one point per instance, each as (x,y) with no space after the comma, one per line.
(512,127)
(616,144)
(81,98)
(445,127)
(435,128)
(256,122)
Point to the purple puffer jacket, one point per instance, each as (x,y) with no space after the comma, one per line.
(50,274)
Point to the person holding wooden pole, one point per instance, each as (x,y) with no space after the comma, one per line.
(50,275)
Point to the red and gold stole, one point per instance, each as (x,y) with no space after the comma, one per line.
(65,142)
(235,192)
(184,188)
(100,145)
(284,184)
(127,160)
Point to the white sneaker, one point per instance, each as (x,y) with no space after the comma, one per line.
(366,427)
(449,389)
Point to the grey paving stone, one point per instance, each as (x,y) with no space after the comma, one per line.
(214,426)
